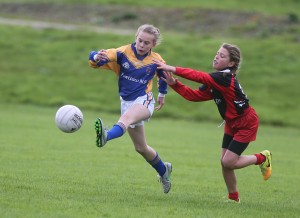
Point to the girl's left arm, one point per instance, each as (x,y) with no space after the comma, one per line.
(162,85)
(162,90)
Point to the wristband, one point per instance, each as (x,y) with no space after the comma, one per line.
(95,56)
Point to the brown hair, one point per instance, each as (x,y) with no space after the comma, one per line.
(234,55)
(148,28)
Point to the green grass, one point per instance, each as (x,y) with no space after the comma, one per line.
(271,7)
(49,67)
(47,173)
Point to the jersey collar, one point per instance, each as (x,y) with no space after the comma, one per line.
(139,57)
(226,70)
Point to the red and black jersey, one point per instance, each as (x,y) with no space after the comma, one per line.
(222,86)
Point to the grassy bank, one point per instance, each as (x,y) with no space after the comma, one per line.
(49,67)
(269,7)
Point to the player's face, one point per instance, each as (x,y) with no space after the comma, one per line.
(144,42)
(222,59)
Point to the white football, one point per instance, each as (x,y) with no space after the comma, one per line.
(69,118)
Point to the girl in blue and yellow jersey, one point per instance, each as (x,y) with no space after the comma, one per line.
(241,120)
(134,66)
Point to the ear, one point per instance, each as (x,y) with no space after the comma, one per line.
(231,64)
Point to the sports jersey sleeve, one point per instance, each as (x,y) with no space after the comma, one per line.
(227,93)
(201,94)
(162,85)
(110,64)
(194,75)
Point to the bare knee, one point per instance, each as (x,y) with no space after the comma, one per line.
(228,164)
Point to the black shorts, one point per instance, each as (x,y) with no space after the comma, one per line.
(232,145)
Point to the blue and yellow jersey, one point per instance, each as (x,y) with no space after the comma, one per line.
(135,72)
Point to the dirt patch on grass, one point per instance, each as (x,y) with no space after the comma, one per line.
(193,21)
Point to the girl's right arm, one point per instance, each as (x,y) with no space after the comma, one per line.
(104,59)
(101,56)
(97,59)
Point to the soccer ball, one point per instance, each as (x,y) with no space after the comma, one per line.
(69,118)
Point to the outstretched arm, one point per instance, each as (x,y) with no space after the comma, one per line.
(187,73)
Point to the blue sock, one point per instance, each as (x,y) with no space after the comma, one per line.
(116,131)
(158,165)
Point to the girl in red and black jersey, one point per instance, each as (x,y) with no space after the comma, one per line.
(241,120)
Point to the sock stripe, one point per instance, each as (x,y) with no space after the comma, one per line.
(155,160)
(122,125)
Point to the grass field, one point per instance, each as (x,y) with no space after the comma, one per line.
(47,173)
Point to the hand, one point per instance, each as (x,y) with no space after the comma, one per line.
(101,56)
(161,102)
(163,66)
(169,79)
